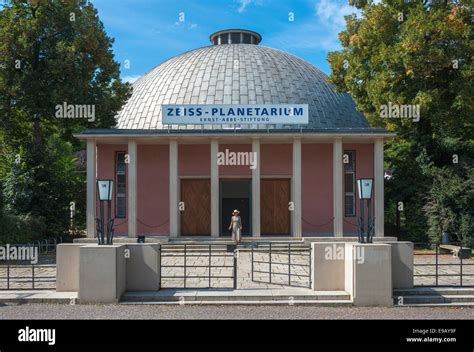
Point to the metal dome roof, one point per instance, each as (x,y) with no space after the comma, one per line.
(237,74)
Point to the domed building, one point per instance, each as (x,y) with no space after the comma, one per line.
(236,125)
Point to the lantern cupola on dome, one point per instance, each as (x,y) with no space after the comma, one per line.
(235,36)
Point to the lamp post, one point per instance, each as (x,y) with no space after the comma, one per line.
(364,189)
(105,188)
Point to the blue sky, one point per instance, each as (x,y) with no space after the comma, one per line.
(147,32)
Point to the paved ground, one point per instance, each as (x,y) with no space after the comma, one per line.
(61,311)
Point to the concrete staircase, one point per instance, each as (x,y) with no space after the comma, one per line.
(280,245)
(236,297)
(434,296)
(228,240)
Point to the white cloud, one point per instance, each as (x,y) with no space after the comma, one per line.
(243,5)
(186,25)
(331,13)
(306,36)
(319,32)
(130,79)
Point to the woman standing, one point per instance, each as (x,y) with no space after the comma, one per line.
(236,226)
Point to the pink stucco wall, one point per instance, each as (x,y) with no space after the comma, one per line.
(152,186)
(316,186)
(194,160)
(106,170)
(364,167)
(235,170)
(153,189)
(276,159)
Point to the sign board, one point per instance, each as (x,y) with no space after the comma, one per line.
(365,188)
(105,189)
(287,114)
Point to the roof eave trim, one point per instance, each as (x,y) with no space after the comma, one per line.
(85,136)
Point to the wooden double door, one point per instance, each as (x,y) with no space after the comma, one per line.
(274,199)
(196,216)
(274,214)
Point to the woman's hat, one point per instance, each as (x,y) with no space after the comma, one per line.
(236,211)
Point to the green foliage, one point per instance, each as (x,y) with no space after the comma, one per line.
(19,229)
(42,184)
(426,59)
(51,52)
(450,202)
(406,186)
(415,53)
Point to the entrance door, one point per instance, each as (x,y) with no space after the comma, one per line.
(235,194)
(274,213)
(196,217)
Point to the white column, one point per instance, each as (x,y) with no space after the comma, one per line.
(337,187)
(173,168)
(214,189)
(132,188)
(91,188)
(378,188)
(256,190)
(296,189)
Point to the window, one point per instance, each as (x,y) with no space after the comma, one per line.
(235,37)
(225,38)
(120,186)
(349,183)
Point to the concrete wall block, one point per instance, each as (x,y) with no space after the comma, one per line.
(328,266)
(371,274)
(67,267)
(102,271)
(349,269)
(402,264)
(143,267)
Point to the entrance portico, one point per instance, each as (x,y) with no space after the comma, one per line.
(312,164)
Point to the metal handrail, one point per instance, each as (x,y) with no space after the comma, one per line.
(24,279)
(437,264)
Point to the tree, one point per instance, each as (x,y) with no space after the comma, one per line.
(449,204)
(412,53)
(51,53)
